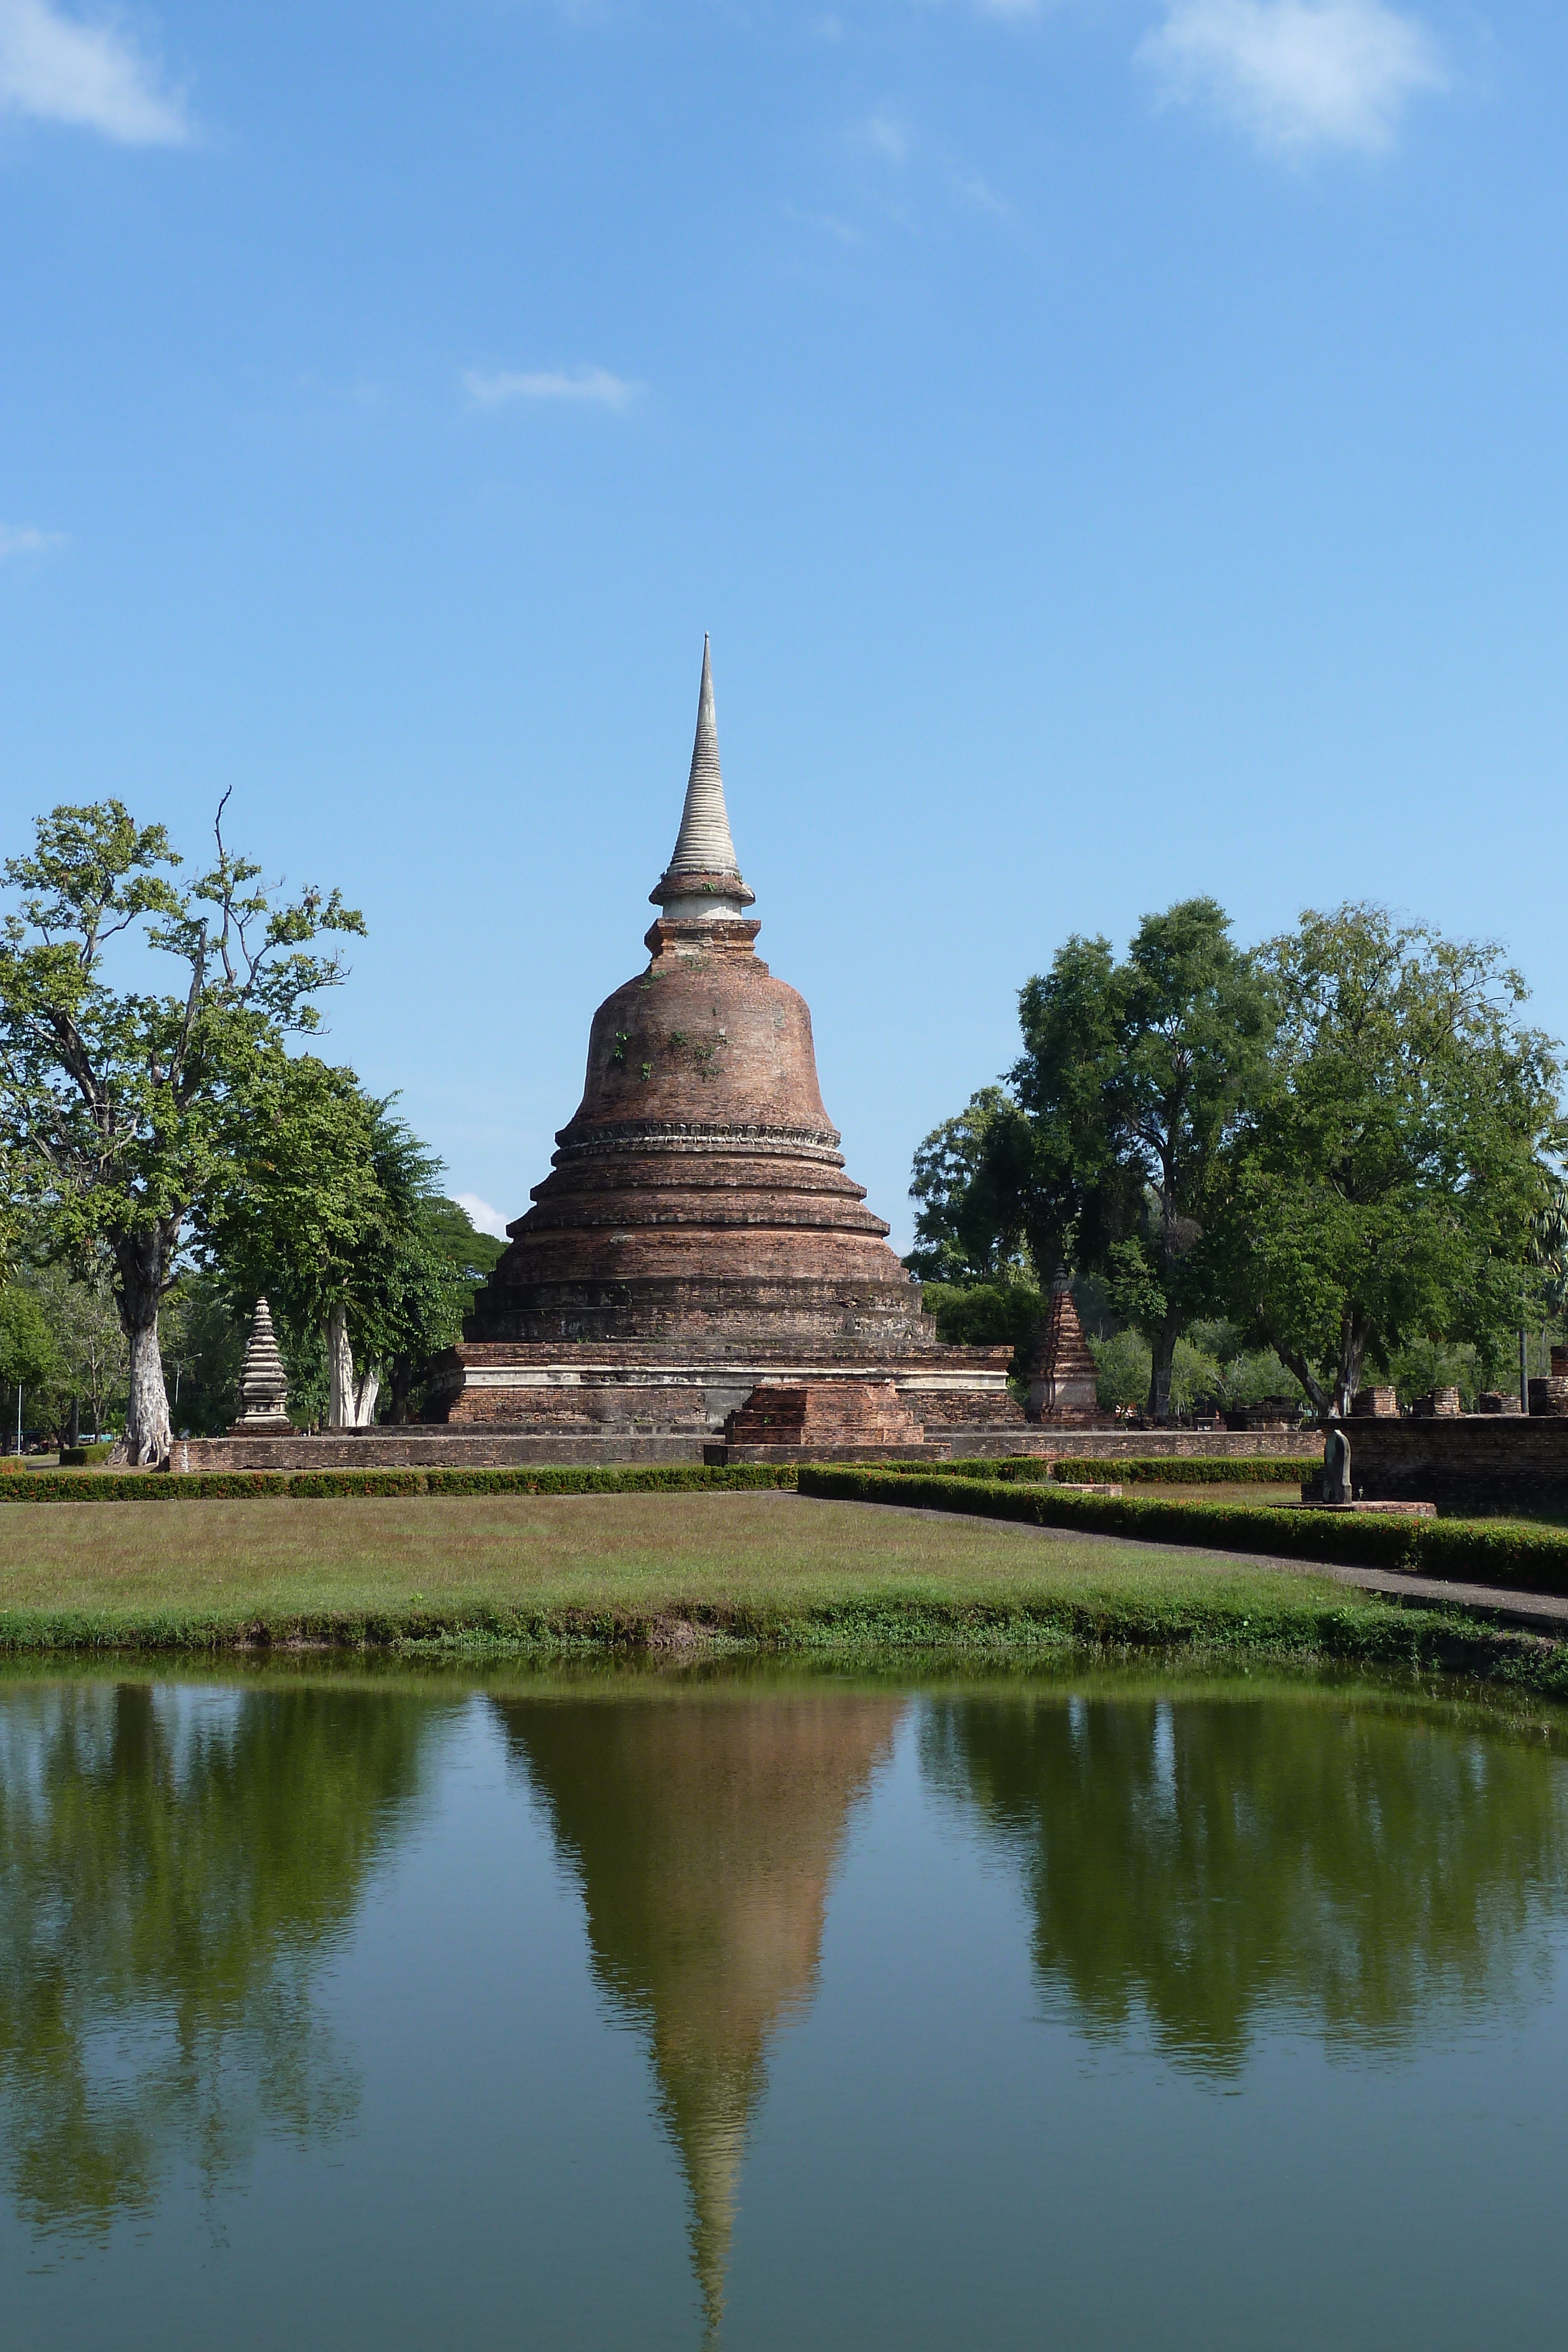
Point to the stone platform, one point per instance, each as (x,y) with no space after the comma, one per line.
(417,1445)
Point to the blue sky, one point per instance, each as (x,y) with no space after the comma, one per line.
(1117,446)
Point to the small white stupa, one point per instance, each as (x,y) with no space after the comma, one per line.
(263,1384)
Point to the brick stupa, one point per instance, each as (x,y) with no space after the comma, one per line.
(1062,1384)
(698,1239)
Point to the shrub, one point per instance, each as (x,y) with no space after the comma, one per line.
(1367,1542)
(232,1486)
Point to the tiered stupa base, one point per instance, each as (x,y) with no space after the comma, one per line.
(625,1391)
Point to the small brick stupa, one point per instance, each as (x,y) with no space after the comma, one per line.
(263,1382)
(697,1238)
(1062,1386)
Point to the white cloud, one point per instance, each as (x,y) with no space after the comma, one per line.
(885,136)
(977,194)
(595,385)
(1297,73)
(96,76)
(480,1213)
(21,538)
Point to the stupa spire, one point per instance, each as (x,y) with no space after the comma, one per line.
(702,881)
(703,846)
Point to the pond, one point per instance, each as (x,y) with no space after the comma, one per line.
(657,2008)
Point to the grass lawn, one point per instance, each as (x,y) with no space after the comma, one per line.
(668,1569)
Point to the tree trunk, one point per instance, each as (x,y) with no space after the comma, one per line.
(1351,1359)
(1163,1352)
(353,1396)
(340,1370)
(400,1389)
(73,1423)
(1296,1362)
(142,1263)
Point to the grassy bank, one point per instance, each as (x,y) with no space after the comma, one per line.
(681,1573)
(1521,1555)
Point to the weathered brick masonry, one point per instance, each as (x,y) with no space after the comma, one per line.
(697,1237)
(1481,1461)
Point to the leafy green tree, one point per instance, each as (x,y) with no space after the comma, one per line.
(123,1107)
(205,1331)
(473,1256)
(989,1315)
(1134,1078)
(1121,1365)
(92,1358)
(334,1215)
(29,1359)
(971,1183)
(423,1286)
(1384,1192)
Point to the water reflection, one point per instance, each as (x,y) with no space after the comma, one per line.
(703,1828)
(172,1864)
(1203,1863)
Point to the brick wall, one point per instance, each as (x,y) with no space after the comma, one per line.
(1483,1461)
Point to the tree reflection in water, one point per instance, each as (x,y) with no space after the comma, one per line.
(1359,1868)
(704,1827)
(172,1867)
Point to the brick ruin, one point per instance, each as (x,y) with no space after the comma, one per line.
(1062,1385)
(698,1239)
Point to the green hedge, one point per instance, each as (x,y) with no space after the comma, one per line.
(158,1487)
(1178,1470)
(1470,1551)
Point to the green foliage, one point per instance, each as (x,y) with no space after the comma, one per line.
(240,1485)
(204,1342)
(1386,1188)
(472,1254)
(1288,1531)
(121,1109)
(1423,1365)
(28,1356)
(91,1357)
(1121,1365)
(1109,1149)
(969,1182)
(1189,1019)
(333,1206)
(988,1315)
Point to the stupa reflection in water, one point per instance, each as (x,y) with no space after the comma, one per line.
(704,1827)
